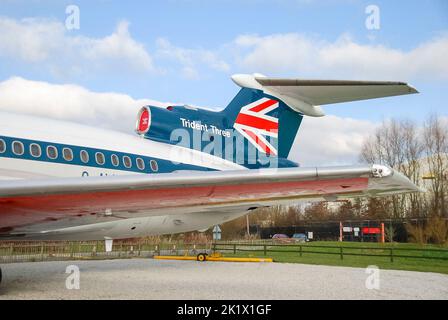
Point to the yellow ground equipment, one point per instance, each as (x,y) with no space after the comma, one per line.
(216,256)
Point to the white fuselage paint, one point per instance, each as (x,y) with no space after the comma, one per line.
(53,131)
(67,133)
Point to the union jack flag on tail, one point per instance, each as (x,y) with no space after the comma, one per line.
(254,124)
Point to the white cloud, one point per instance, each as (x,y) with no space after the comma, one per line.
(326,140)
(48,42)
(191,60)
(343,58)
(29,40)
(71,102)
(330,140)
(118,46)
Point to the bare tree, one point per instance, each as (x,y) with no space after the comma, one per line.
(396,143)
(318,211)
(436,148)
(412,168)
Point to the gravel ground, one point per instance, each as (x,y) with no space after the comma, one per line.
(156,279)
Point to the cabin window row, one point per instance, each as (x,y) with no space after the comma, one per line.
(52,152)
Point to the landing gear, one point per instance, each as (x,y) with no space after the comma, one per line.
(201,257)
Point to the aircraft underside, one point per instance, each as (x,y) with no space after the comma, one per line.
(118,226)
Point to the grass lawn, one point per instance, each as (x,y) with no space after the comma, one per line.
(328,253)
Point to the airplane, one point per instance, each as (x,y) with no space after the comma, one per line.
(185,169)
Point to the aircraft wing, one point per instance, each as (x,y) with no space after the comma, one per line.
(70,202)
(318,92)
(305,96)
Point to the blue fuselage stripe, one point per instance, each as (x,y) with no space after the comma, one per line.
(163,166)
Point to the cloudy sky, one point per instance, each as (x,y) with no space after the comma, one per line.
(184,51)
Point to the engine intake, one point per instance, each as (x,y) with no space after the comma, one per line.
(143,120)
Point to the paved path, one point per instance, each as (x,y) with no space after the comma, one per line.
(156,279)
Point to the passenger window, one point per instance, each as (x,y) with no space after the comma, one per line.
(140,164)
(52,152)
(84,156)
(17,148)
(99,158)
(154,165)
(115,160)
(2,146)
(67,153)
(35,150)
(127,162)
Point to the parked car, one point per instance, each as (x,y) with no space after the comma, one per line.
(280,237)
(299,237)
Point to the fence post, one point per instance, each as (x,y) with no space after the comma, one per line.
(300,250)
(234,248)
(391,255)
(264,249)
(214,246)
(42,251)
(341,253)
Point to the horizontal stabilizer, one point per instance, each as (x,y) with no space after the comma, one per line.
(306,96)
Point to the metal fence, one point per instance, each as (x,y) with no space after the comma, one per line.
(19,251)
(389,253)
(329,229)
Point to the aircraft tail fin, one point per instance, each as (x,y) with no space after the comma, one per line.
(266,122)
